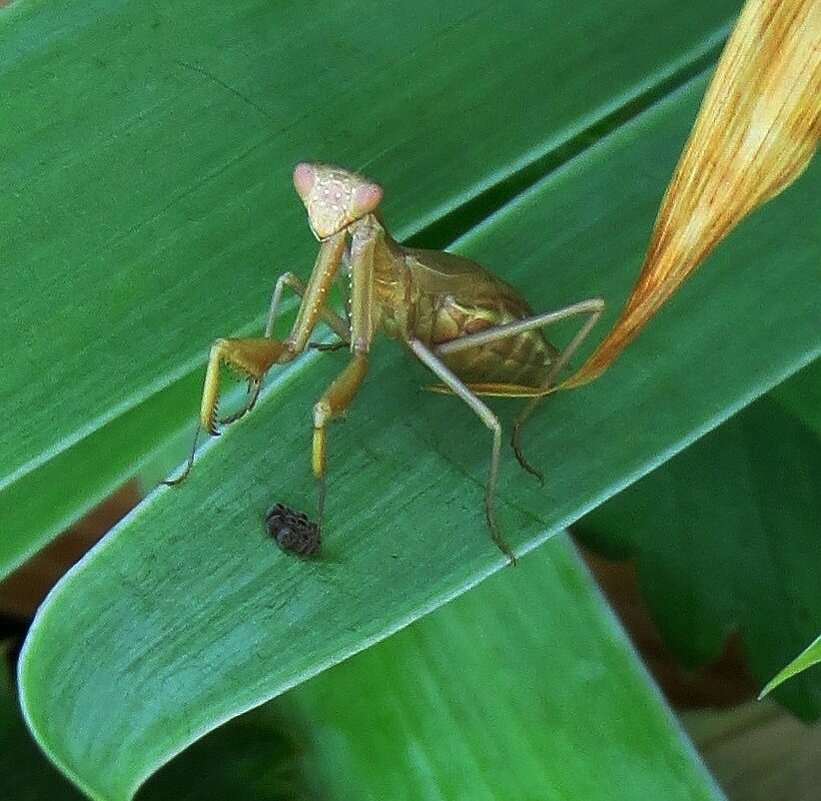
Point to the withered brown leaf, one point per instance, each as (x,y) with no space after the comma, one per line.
(756,131)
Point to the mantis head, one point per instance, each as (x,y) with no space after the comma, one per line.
(334,198)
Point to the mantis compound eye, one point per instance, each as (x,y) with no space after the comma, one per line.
(366,198)
(304,177)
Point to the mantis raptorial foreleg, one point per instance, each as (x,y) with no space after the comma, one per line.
(330,318)
(338,397)
(253,357)
(458,387)
(248,356)
(335,402)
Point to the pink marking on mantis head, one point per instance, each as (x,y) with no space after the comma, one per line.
(333,197)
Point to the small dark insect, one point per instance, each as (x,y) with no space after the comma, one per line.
(293,531)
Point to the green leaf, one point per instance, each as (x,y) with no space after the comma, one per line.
(147,205)
(253,759)
(810,656)
(560,709)
(186,615)
(524,688)
(726,538)
(25,774)
(44,502)
(801,396)
(147,209)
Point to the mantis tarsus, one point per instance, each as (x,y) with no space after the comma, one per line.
(474,332)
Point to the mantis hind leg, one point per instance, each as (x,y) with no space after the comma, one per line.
(592,309)
(456,386)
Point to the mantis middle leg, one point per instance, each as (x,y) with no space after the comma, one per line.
(339,326)
(338,397)
(592,309)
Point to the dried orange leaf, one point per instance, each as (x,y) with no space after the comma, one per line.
(757,130)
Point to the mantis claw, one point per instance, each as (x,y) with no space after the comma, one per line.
(254,388)
(520,457)
(251,358)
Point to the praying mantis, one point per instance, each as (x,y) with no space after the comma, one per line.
(472,330)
